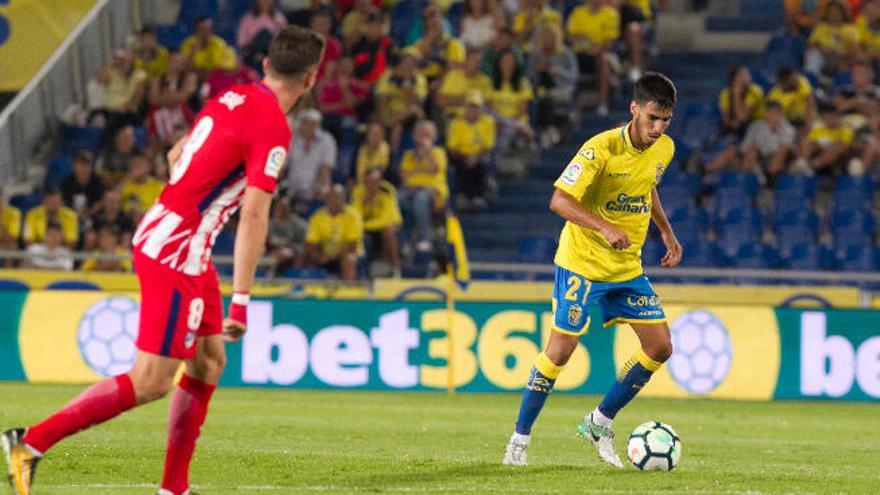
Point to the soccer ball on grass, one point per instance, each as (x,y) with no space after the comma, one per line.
(654,446)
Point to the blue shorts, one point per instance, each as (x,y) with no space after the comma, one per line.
(633,301)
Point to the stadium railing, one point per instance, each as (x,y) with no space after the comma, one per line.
(29,123)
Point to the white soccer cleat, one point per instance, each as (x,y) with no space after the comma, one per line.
(517,453)
(602,437)
(163,491)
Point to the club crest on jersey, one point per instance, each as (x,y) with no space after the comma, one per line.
(275,161)
(589,154)
(575,314)
(231,99)
(572,173)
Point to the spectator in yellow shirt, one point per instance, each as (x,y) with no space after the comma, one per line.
(374,154)
(509,101)
(335,237)
(52,209)
(376,201)
(636,20)
(423,183)
(204,50)
(108,256)
(149,54)
(439,51)
(10,226)
(534,13)
(401,96)
(470,142)
(868,25)
(139,189)
(795,93)
(741,103)
(459,82)
(827,145)
(833,42)
(593,28)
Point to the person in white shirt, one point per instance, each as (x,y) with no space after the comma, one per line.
(311,159)
(51,254)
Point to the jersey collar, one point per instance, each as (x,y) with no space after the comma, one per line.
(266,89)
(627,142)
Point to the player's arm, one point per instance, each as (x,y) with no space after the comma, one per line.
(250,238)
(174,152)
(569,208)
(673,248)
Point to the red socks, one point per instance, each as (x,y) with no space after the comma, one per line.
(189,406)
(98,403)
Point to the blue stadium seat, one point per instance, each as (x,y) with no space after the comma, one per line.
(192,10)
(807,257)
(454,15)
(789,237)
(730,201)
(141,137)
(58,169)
(537,249)
(652,252)
(305,273)
(25,202)
(853,194)
(747,183)
(72,285)
(858,259)
(224,244)
(800,184)
(75,139)
(171,36)
(403,15)
(853,222)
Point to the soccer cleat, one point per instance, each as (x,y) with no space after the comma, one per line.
(163,491)
(602,438)
(516,453)
(21,460)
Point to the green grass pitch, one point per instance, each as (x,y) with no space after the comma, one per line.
(292,442)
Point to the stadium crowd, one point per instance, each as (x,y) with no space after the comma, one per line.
(419,105)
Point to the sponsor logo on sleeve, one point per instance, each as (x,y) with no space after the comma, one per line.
(275,161)
(572,173)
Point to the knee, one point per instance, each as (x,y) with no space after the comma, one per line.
(661,351)
(149,388)
(210,367)
(559,350)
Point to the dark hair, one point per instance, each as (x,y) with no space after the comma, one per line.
(515,78)
(294,51)
(784,73)
(53,225)
(84,156)
(773,104)
(148,29)
(255,8)
(656,87)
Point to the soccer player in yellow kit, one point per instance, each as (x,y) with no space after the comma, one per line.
(608,195)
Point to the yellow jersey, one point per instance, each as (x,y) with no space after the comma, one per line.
(457,83)
(613,180)
(825,136)
(144,194)
(381,211)
(508,103)
(794,103)
(754,101)
(332,232)
(208,58)
(595,27)
(368,160)
(868,37)
(36,221)
(466,138)
(837,39)
(418,175)
(10,221)
(524,24)
(393,92)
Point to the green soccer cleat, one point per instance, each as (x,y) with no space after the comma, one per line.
(602,438)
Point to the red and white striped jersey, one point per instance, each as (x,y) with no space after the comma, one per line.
(239,140)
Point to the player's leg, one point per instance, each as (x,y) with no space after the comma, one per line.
(150,379)
(189,405)
(570,322)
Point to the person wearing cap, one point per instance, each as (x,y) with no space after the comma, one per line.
(457,83)
(376,201)
(334,240)
(827,145)
(83,188)
(10,224)
(470,142)
(52,210)
(311,159)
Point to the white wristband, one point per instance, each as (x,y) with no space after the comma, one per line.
(241,298)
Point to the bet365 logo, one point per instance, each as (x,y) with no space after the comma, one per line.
(4,24)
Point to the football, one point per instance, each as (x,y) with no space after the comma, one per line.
(654,446)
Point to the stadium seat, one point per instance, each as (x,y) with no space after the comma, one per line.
(858,259)
(25,202)
(729,202)
(747,183)
(454,15)
(847,223)
(75,139)
(853,194)
(652,252)
(171,36)
(72,285)
(403,15)
(58,169)
(537,249)
(193,10)
(807,257)
(224,244)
